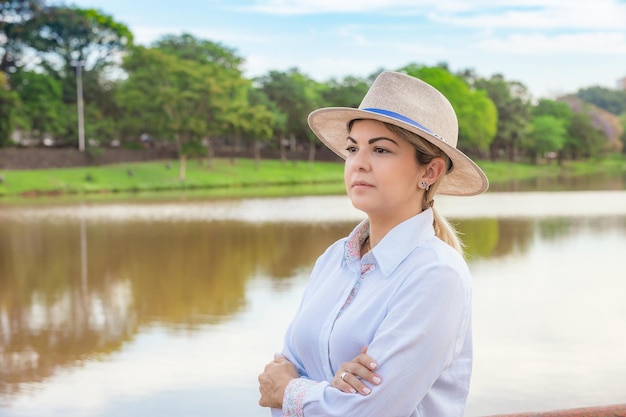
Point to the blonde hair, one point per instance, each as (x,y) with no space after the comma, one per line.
(424,153)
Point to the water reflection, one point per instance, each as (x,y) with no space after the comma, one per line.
(75,290)
(84,289)
(598,181)
(484,238)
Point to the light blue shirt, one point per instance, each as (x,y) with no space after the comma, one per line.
(409,302)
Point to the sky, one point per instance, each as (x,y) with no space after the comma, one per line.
(553,47)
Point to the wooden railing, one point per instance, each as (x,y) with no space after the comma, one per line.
(617,410)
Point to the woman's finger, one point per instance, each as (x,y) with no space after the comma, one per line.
(366,360)
(340,382)
(356,384)
(344,381)
(361,370)
(350,378)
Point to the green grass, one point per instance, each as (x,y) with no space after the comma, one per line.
(226,176)
(506,171)
(240,178)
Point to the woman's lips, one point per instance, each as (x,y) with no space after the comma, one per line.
(360,184)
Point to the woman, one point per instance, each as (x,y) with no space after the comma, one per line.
(384,326)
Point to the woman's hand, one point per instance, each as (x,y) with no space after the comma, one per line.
(274,380)
(350,375)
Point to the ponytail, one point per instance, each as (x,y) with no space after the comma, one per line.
(443,229)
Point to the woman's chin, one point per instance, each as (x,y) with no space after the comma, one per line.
(361,205)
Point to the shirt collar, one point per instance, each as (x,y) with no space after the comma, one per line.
(395,245)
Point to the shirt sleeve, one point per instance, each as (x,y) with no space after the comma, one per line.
(292,400)
(423,330)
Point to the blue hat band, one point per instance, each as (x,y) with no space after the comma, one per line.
(399,117)
(403,118)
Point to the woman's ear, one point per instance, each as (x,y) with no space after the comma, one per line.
(434,170)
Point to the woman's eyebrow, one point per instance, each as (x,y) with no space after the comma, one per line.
(373,140)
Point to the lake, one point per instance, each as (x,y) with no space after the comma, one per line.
(173,307)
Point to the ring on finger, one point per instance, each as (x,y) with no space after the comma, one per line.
(343,375)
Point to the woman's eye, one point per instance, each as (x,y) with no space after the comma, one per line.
(380,150)
(351,149)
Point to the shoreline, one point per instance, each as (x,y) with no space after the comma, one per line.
(241,178)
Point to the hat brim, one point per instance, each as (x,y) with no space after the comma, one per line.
(330,125)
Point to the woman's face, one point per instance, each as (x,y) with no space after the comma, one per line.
(381,172)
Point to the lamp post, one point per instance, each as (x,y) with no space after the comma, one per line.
(79,103)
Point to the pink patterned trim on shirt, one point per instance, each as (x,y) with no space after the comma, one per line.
(293,401)
(354,243)
(353,253)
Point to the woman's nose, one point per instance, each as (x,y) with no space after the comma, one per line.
(359,160)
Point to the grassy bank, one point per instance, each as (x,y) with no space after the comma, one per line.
(225,178)
(241,178)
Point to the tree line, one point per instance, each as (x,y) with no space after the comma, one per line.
(192,93)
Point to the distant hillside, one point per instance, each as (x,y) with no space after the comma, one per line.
(603,120)
(608,99)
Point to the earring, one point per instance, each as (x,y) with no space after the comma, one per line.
(424,185)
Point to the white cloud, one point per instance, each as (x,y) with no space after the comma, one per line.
(330,6)
(605,15)
(398,38)
(546,44)
(145,35)
(593,43)
(548,14)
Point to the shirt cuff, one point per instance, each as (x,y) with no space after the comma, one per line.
(293,400)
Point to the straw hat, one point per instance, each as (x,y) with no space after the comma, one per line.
(416,106)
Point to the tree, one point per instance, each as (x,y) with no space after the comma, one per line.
(8,106)
(622,138)
(244,118)
(560,111)
(476,112)
(61,36)
(256,126)
(85,37)
(259,98)
(188,47)
(613,101)
(554,108)
(238,115)
(296,96)
(162,97)
(42,109)
(593,121)
(547,134)
(71,34)
(17,27)
(345,93)
(512,102)
(180,99)
(591,141)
